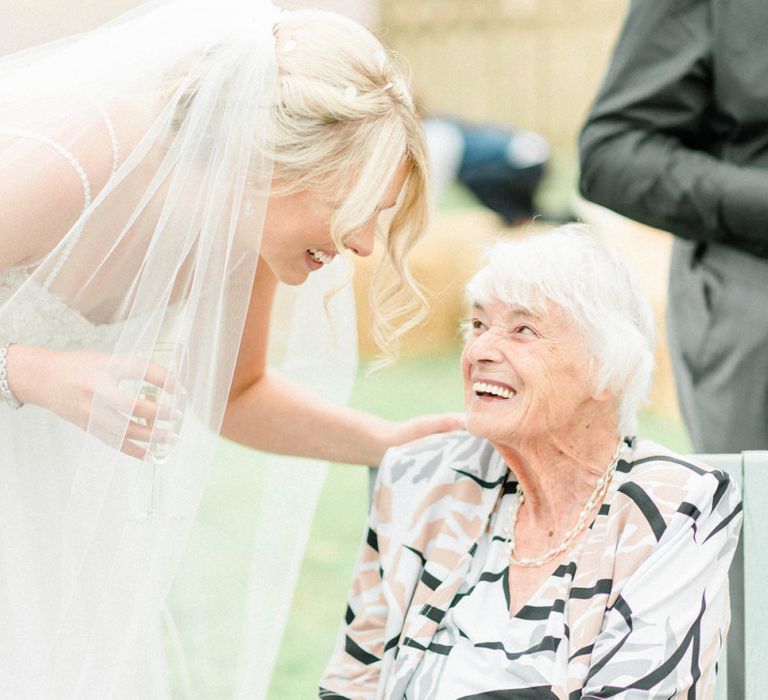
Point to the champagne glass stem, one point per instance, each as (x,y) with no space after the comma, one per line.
(155,501)
(171,357)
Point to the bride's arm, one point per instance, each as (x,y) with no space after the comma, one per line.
(268,412)
(40,197)
(42,190)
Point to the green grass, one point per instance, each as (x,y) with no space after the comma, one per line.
(412,387)
(222,542)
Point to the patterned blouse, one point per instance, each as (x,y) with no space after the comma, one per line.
(640,610)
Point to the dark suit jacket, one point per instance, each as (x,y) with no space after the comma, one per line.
(678,135)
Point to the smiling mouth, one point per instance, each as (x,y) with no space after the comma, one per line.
(492,390)
(319,256)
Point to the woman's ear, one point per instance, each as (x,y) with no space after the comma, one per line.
(603,395)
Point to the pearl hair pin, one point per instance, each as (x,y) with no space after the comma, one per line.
(351,92)
(597,495)
(289,46)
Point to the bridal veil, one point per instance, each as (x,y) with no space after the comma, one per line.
(140,153)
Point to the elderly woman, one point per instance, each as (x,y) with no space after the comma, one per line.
(544,553)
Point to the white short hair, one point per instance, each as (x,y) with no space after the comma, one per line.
(572,269)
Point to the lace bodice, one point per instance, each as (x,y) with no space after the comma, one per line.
(43,318)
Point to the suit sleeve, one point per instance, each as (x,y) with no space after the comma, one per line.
(664,631)
(644,150)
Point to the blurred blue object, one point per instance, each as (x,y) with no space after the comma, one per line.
(501,166)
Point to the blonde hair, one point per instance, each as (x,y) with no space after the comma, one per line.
(344,120)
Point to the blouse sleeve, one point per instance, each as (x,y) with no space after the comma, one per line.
(664,631)
(354,670)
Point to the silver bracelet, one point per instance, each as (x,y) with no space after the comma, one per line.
(5,389)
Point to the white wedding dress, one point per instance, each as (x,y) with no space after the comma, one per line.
(58,518)
(174,98)
(83,578)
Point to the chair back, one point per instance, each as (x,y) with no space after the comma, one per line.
(743,666)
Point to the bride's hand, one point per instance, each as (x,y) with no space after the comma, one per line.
(83,387)
(399,432)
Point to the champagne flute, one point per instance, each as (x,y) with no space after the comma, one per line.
(165,431)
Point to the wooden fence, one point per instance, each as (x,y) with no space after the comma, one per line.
(530,63)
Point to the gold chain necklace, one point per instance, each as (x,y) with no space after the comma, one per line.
(597,495)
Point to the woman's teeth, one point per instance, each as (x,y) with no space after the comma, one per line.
(500,391)
(320,256)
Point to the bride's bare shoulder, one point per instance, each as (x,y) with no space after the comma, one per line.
(49,175)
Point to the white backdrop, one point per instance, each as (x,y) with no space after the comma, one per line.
(29,22)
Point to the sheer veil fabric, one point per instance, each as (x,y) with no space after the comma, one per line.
(143,147)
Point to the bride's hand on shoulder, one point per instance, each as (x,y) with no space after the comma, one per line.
(89,390)
(396,433)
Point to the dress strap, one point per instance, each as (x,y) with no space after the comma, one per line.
(111,131)
(77,166)
(63,152)
(73,237)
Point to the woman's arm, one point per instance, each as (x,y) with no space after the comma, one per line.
(41,193)
(270,413)
(664,631)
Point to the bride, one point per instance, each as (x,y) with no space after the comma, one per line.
(176,187)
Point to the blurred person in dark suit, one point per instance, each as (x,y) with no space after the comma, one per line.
(678,139)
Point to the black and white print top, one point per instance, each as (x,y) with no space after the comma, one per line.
(639,610)
(476,647)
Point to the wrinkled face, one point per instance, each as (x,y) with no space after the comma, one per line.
(526,376)
(297,232)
